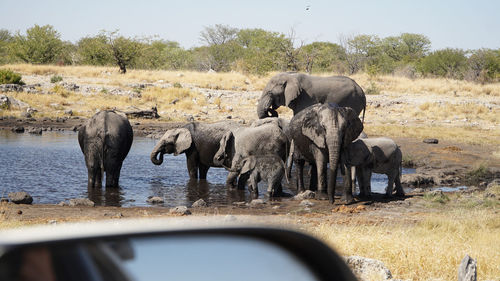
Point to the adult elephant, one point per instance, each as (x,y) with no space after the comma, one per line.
(105,141)
(298,91)
(320,134)
(199,141)
(261,138)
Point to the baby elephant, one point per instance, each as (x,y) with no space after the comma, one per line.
(269,168)
(379,155)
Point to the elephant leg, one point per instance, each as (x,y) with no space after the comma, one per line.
(253,186)
(367,176)
(299,172)
(242,181)
(353,177)
(347,196)
(390,185)
(112,167)
(313,180)
(94,177)
(321,194)
(231,180)
(360,180)
(203,169)
(192,166)
(399,188)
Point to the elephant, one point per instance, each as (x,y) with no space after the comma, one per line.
(105,141)
(379,155)
(269,168)
(198,141)
(298,91)
(320,135)
(262,137)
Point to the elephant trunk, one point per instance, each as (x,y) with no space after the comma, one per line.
(333,143)
(157,150)
(264,108)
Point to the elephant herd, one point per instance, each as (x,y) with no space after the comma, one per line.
(324,132)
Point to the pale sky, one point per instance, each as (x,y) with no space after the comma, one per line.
(448,23)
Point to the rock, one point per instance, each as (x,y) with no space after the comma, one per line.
(418,190)
(35,131)
(74,128)
(190,118)
(368,269)
(18,129)
(431,141)
(62,204)
(81,202)
(155,200)
(4,200)
(70,86)
(306,203)
(52,222)
(200,203)
(68,112)
(4,102)
(211,71)
(180,210)
(11,88)
(21,197)
(467,271)
(229,218)
(495,182)
(308,194)
(26,115)
(257,202)
(417,180)
(31,110)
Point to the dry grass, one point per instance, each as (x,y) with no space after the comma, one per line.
(466,135)
(428,250)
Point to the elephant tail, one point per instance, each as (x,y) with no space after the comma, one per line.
(286,171)
(363,118)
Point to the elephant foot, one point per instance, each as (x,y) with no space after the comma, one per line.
(400,194)
(347,200)
(321,195)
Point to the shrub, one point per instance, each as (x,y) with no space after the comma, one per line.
(476,175)
(177,85)
(55,79)
(9,77)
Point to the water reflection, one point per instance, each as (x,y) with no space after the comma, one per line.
(106,196)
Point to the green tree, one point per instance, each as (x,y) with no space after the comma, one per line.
(417,45)
(95,50)
(222,49)
(322,57)
(448,62)
(261,51)
(5,40)
(484,65)
(125,50)
(41,44)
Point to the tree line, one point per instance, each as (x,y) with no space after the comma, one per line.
(254,51)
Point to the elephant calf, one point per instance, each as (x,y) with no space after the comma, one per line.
(105,141)
(379,155)
(269,168)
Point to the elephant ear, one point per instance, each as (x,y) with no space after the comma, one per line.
(183,141)
(226,142)
(292,90)
(353,126)
(312,128)
(248,164)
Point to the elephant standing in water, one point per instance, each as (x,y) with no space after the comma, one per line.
(262,137)
(298,91)
(105,141)
(198,141)
(320,135)
(379,155)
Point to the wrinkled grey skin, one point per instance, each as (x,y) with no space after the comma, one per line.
(320,134)
(262,137)
(298,91)
(268,168)
(105,141)
(378,155)
(199,141)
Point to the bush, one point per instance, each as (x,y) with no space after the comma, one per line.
(55,79)
(10,77)
(476,175)
(177,85)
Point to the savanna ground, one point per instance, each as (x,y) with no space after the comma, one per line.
(420,237)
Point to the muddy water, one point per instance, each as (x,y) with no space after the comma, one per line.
(51,168)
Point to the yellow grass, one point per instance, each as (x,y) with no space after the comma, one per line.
(428,250)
